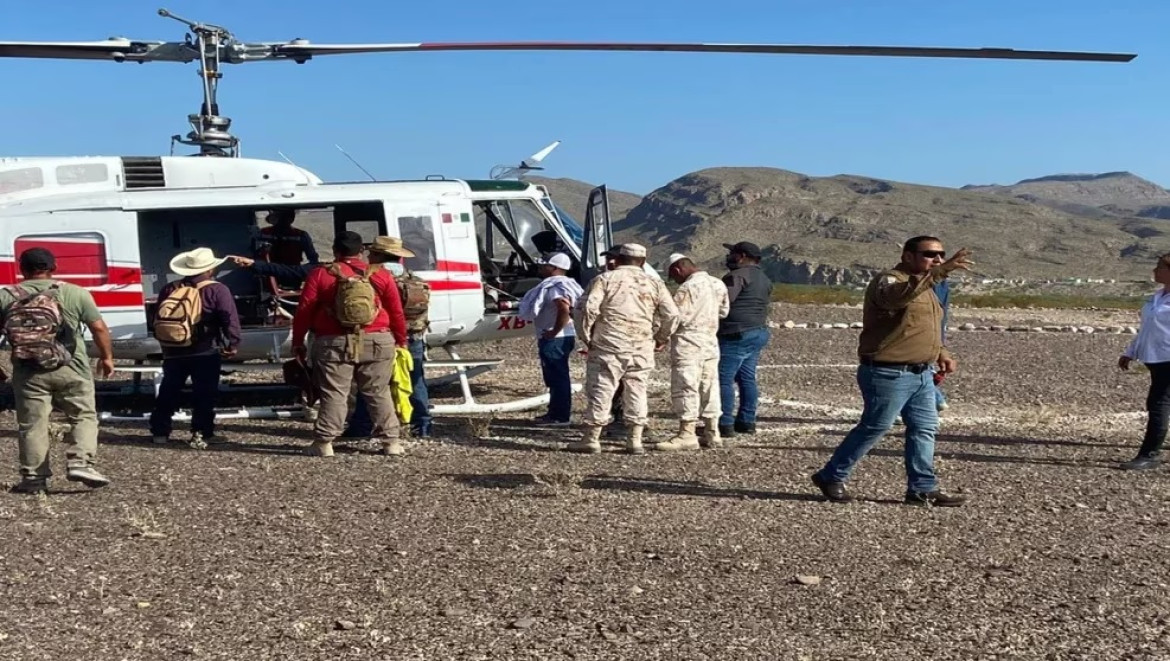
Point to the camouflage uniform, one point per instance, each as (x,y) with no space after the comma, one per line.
(694,349)
(624,313)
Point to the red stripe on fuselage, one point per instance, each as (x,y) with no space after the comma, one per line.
(456,267)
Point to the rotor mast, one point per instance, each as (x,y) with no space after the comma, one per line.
(209,129)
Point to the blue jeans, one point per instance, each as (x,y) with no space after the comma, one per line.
(420,402)
(737,367)
(554,365)
(888,392)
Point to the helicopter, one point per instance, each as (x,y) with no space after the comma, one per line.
(114,222)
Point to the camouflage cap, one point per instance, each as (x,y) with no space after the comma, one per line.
(632,250)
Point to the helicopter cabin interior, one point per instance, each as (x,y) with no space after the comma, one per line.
(513,236)
(236,231)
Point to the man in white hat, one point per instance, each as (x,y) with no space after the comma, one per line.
(625,315)
(197,325)
(548,307)
(694,350)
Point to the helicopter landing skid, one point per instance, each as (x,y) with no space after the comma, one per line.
(464,371)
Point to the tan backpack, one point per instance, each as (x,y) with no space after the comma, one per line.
(356,303)
(176,321)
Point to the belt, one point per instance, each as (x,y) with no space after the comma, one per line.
(914,368)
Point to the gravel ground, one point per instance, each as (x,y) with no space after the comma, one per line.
(496,545)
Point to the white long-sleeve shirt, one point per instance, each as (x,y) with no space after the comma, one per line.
(1152,343)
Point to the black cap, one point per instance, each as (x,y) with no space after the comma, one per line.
(348,244)
(745,247)
(612,252)
(37,259)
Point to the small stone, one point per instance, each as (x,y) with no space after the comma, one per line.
(635,591)
(857,324)
(522,623)
(999,329)
(1087,329)
(790,324)
(1018,329)
(344,625)
(453,612)
(840,326)
(151,534)
(801,325)
(805,579)
(967,327)
(143,604)
(1037,329)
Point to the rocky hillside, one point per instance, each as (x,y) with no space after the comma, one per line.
(572,196)
(1116,193)
(839,230)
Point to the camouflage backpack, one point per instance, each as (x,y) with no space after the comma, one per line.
(416,302)
(33,325)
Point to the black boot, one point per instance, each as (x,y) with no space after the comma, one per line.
(1142,462)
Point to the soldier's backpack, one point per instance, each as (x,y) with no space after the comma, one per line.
(33,326)
(416,301)
(176,322)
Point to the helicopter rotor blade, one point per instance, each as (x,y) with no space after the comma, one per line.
(116,49)
(303,50)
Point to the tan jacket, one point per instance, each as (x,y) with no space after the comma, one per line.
(702,301)
(902,318)
(625,311)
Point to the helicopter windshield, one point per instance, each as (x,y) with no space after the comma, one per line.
(575,232)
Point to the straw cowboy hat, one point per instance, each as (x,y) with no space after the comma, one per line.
(194,262)
(390,245)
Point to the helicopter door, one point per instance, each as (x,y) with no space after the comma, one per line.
(598,234)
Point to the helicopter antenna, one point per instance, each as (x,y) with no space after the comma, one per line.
(209,130)
(359,165)
(286,158)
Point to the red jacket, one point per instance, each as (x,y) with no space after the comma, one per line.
(315,309)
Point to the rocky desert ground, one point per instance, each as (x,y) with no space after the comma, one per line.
(489,542)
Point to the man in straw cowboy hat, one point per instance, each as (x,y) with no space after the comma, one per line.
(355,314)
(416,298)
(197,325)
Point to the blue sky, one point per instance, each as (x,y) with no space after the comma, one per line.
(636,120)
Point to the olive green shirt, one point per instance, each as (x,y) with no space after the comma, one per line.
(78,310)
(902,318)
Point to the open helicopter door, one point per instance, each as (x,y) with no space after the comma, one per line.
(598,234)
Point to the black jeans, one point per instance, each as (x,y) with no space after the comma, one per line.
(1158,404)
(204,374)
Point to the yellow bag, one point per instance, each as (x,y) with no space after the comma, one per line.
(401,386)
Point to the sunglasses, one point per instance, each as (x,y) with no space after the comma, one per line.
(931,254)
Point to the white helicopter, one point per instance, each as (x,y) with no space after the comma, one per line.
(114,222)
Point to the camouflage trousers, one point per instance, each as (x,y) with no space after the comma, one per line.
(694,389)
(604,372)
(37,394)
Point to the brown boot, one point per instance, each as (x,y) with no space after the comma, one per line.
(685,439)
(634,440)
(710,437)
(391,447)
(590,442)
(320,449)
